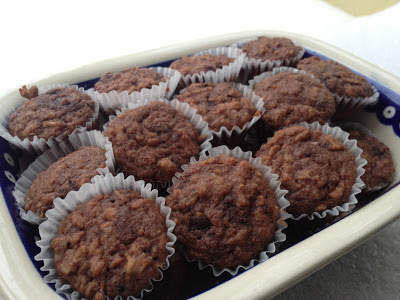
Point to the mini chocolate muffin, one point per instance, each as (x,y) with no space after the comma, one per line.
(67,174)
(225,211)
(316,169)
(189,65)
(56,113)
(153,141)
(111,245)
(221,105)
(266,48)
(379,169)
(291,98)
(130,80)
(338,78)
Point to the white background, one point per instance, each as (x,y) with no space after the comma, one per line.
(41,38)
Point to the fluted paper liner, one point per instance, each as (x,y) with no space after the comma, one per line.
(360,163)
(39,145)
(112,101)
(252,66)
(101,185)
(74,142)
(279,194)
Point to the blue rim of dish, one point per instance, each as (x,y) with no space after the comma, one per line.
(387,111)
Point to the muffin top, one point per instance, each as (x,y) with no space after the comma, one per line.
(379,169)
(130,80)
(189,65)
(225,211)
(56,113)
(266,48)
(67,174)
(338,78)
(291,98)
(221,105)
(316,169)
(111,245)
(152,142)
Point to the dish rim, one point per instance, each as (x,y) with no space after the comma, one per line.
(20,280)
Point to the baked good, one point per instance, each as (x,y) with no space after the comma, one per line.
(67,174)
(316,169)
(271,49)
(130,80)
(189,65)
(291,98)
(225,211)
(221,105)
(379,170)
(56,113)
(153,141)
(111,245)
(338,78)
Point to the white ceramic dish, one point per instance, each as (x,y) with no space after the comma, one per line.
(19,279)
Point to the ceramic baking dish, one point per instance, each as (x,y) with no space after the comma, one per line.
(20,277)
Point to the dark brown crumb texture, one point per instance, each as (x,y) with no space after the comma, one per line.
(225,211)
(221,105)
(111,245)
(153,141)
(294,98)
(58,112)
(338,78)
(189,65)
(67,174)
(130,80)
(316,169)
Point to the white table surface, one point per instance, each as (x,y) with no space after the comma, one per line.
(41,38)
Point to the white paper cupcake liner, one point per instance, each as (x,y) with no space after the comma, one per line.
(252,66)
(74,142)
(39,145)
(101,185)
(225,74)
(279,194)
(184,108)
(235,136)
(347,105)
(113,101)
(360,163)
(357,126)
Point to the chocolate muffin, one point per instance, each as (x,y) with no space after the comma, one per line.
(316,169)
(221,105)
(130,80)
(379,170)
(56,113)
(67,174)
(266,48)
(338,78)
(111,245)
(153,141)
(225,211)
(291,98)
(189,65)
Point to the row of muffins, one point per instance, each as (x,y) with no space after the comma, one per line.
(199,222)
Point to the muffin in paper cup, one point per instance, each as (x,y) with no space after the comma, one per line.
(234,135)
(252,66)
(44,161)
(112,101)
(102,185)
(39,145)
(166,134)
(320,208)
(306,100)
(226,73)
(381,173)
(198,217)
